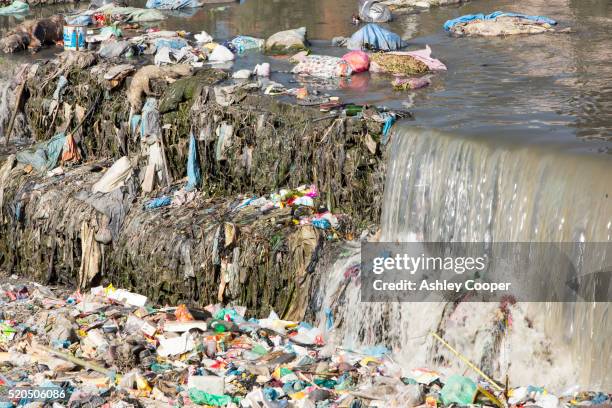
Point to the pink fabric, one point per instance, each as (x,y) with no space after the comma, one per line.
(358,60)
(424,56)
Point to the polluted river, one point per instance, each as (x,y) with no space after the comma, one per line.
(246,202)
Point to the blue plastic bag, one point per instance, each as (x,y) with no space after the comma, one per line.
(43,156)
(471,17)
(172,4)
(243,43)
(194,177)
(158,202)
(374,37)
(174,43)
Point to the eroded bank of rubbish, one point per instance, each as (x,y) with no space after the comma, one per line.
(230,162)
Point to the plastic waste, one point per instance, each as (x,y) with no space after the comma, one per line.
(203,37)
(242,74)
(194,176)
(221,54)
(374,11)
(175,345)
(287,41)
(175,43)
(183,314)
(358,60)
(204,398)
(172,4)
(210,384)
(262,70)
(43,156)
(158,202)
(167,55)
(322,66)
(449,24)
(243,43)
(114,49)
(114,177)
(83,20)
(458,390)
(374,37)
(16,7)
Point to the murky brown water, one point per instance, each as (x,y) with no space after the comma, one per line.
(551,88)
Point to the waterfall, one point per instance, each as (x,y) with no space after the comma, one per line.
(443,187)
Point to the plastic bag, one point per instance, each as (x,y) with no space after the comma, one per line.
(43,156)
(373,11)
(289,40)
(114,49)
(114,177)
(182,314)
(194,177)
(172,4)
(221,54)
(458,390)
(203,398)
(322,66)
(262,70)
(175,43)
(244,43)
(374,37)
(358,60)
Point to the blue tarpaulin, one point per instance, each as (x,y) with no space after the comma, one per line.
(471,17)
(194,177)
(374,37)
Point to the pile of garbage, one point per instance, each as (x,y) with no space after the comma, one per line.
(499,23)
(118,173)
(112,346)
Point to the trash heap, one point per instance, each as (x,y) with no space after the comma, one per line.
(112,346)
(499,23)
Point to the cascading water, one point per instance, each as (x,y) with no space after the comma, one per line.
(447,188)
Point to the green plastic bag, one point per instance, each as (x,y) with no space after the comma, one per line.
(204,398)
(220,315)
(458,390)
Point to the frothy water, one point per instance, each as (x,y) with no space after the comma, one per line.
(441,187)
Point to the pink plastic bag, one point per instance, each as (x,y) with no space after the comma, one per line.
(358,60)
